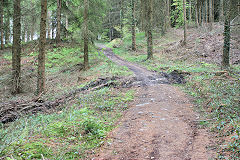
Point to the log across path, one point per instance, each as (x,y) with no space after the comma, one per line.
(160,124)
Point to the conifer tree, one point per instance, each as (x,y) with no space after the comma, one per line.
(86,65)
(226,34)
(149,29)
(185,23)
(16,48)
(41,56)
(133,26)
(1,24)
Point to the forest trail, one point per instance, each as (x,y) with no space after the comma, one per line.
(160,124)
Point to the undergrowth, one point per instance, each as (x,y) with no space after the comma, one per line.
(72,133)
(218,98)
(64,71)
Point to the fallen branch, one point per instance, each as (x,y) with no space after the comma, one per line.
(10,111)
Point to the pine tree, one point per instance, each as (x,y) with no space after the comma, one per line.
(16,48)
(58,35)
(149,29)
(211,14)
(133,26)
(226,34)
(1,24)
(41,56)
(86,65)
(185,24)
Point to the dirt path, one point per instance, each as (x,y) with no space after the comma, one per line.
(159,125)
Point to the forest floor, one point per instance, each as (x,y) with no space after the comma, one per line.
(179,105)
(160,124)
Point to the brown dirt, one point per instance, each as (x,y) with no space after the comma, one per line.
(160,124)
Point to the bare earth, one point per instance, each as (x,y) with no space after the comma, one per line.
(160,124)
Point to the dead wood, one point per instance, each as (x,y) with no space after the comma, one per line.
(10,111)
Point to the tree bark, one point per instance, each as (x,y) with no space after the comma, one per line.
(7,31)
(203,13)
(210,15)
(32,27)
(49,24)
(53,27)
(58,36)
(206,11)
(221,18)
(16,48)
(122,16)
(190,10)
(86,65)
(1,23)
(200,13)
(149,29)
(28,34)
(196,14)
(142,15)
(168,14)
(24,33)
(42,43)
(185,23)
(133,26)
(227,35)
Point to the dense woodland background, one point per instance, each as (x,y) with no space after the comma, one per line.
(50,43)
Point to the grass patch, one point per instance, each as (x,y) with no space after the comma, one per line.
(218,99)
(69,134)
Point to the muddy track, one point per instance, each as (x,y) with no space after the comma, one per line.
(160,124)
(144,77)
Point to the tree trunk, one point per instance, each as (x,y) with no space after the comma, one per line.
(200,13)
(66,18)
(53,27)
(196,15)
(168,14)
(86,65)
(142,15)
(210,15)
(7,31)
(203,13)
(28,34)
(16,48)
(33,21)
(133,26)
(24,33)
(58,36)
(49,24)
(32,27)
(122,16)
(221,18)
(1,23)
(227,35)
(42,43)
(190,10)
(32,33)
(149,29)
(206,11)
(185,24)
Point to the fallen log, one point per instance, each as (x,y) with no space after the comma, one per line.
(10,111)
